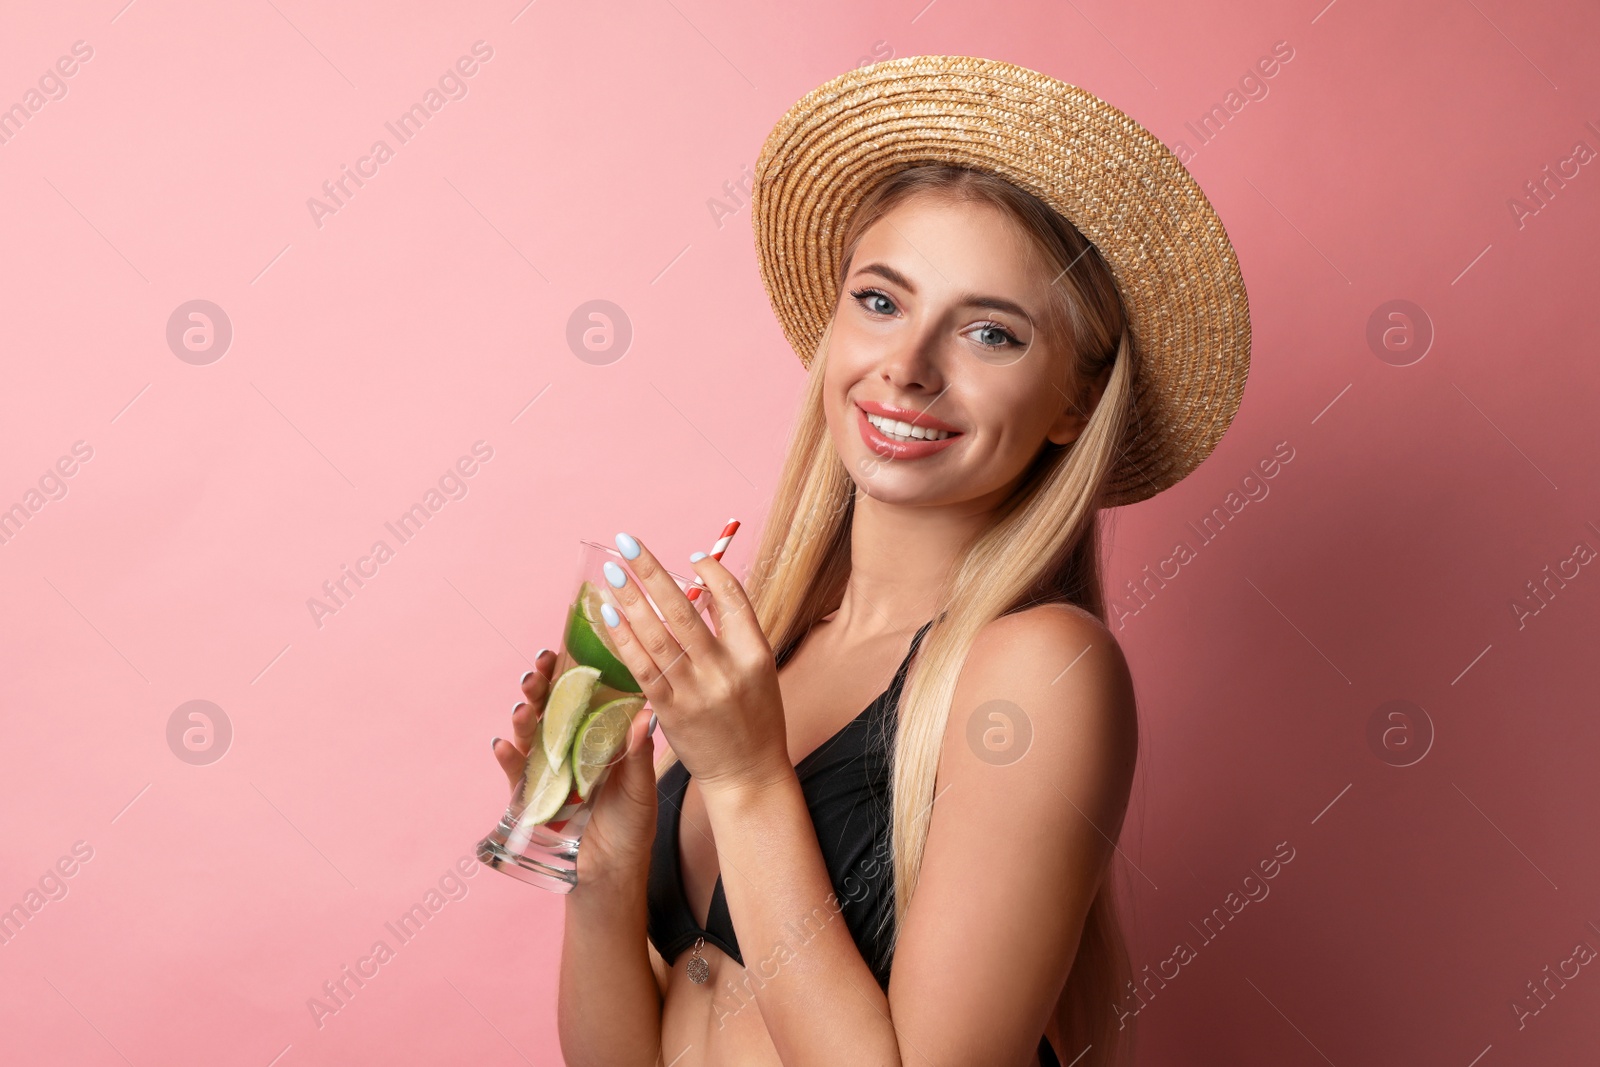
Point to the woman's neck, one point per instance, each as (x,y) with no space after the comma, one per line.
(900,561)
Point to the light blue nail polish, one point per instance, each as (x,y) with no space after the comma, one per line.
(697,557)
(614,575)
(627,546)
(610,614)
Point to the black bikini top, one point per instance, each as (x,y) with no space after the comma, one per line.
(846,786)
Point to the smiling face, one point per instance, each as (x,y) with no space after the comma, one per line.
(942,324)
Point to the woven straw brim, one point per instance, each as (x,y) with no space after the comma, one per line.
(1115,181)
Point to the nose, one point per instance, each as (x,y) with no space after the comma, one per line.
(912,363)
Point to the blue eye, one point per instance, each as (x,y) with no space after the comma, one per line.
(1006,338)
(873,293)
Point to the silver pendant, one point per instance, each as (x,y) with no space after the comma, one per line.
(698,969)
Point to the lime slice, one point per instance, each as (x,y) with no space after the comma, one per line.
(602,735)
(546,788)
(589,642)
(564,710)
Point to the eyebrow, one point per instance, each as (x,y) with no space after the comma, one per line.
(966,299)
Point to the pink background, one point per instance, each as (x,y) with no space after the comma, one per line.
(430,311)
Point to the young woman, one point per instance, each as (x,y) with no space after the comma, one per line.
(926,881)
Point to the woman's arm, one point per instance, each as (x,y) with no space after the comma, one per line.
(1017,848)
(1015,853)
(612,981)
(609,1007)
(818,997)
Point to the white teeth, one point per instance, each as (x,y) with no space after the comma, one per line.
(904,430)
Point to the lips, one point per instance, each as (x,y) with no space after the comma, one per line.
(906,415)
(889,448)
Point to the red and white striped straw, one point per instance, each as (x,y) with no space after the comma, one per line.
(718,549)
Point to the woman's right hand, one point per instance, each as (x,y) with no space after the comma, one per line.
(622,825)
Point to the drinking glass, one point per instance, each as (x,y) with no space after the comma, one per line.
(592,700)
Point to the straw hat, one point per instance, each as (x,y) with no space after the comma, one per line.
(1115,181)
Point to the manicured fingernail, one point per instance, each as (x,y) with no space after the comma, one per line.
(611,616)
(530,674)
(537,656)
(652,727)
(697,557)
(494,743)
(627,546)
(614,575)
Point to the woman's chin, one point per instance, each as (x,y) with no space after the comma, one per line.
(878,479)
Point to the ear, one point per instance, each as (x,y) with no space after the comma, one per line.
(1074,415)
(1068,425)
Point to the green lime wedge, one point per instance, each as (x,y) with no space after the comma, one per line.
(564,710)
(601,737)
(589,642)
(546,788)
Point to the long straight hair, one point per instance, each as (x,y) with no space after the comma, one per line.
(1042,546)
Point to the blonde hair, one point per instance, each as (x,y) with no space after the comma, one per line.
(1042,547)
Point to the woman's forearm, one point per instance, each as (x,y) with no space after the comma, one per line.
(609,1007)
(817,996)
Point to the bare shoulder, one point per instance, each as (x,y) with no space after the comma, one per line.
(1048,646)
(1060,675)
(1055,620)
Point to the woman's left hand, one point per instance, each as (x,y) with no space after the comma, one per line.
(715,694)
